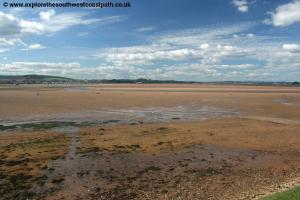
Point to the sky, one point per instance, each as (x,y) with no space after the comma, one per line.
(188,40)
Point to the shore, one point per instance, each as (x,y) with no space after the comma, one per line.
(169,142)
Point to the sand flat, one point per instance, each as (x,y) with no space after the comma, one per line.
(152,141)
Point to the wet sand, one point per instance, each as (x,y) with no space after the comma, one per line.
(20,102)
(149,141)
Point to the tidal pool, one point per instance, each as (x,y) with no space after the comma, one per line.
(109,116)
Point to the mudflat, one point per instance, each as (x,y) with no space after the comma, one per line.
(148,141)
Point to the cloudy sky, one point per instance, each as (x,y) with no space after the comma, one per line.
(207,40)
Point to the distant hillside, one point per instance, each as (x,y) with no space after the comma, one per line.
(34,79)
(45,79)
(137,81)
(40,79)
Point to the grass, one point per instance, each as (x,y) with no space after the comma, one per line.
(43,125)
(293,194)
(37,126)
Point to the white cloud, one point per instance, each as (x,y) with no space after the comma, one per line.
(144,55)
(242,5)
(32,27)
(39,68)
(11,42)
(286,14)
(47,14)
(204,46)
(83,34)
(179,72)
(182,46)
(9,25)
(40,65)
(71,69)
(250,35)
(277,62)
(64,21)
(290,47)
(198,36)
(49,22)
(228,47)
(59,22)
(146,29)
(13,29)
(35,47)
(3,50)
(202,54)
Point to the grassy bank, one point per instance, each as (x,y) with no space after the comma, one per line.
(293,194)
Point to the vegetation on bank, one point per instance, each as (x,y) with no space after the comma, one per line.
(26,161)
(293,194)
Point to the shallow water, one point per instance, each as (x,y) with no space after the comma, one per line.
(66,129)
(120,116)
(73,131)
(79,89)
(285,102)
(162,114)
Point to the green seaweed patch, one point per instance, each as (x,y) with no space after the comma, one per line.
(293,194)
(16,187)
(44,125)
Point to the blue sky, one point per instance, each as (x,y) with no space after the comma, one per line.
(207,40)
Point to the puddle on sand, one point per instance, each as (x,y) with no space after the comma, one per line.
(74,144)
(66,129)
(74,141)
(123,116)
(80,89)
(285,102)
(162,114)
(62,168)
